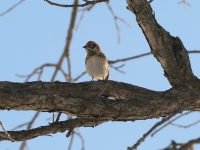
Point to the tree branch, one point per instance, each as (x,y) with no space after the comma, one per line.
(169,123)
(185,3)
(189,144)
(78,5)
(144,54)
(24,143)
(11,8)
(67,46)
(116,18)
(168,50)
(39,70)
(51,129)
(69,39)
(187,126)
(182,146)
(149,132)
(178,110)
(81,99)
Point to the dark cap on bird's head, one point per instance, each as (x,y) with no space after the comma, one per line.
(92,45)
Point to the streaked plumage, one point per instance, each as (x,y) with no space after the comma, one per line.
(96,62)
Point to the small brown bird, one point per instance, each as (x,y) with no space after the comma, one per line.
(96,62)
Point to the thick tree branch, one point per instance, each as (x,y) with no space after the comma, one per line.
(81,99)
(51,129)
(168,50)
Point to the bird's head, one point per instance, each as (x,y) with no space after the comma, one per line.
(92,46)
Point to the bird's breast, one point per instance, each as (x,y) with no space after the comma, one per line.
(97,67)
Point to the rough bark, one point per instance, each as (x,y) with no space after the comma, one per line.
(168,50)
(81,99)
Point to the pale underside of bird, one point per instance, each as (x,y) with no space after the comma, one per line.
(96,62)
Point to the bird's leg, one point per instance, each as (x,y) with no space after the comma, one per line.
(107,76)
(92,78)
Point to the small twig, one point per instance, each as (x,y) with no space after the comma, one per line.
(24,143)
(180,109)
(81,137)
(69,77)
(40,74)
(11,8)
(193,51)
(50,118)
(70,132)
(149,132)
(68,42)
(76,5)
(181,126)
(38,70)
(116,23)
(71,141)
(144,54)
(58,117)
(129,58)
(81,18)
(77,78)
(6,133)
(64,73)
(88,8)
(117,68)
(185,3)
(169,123)
(58,66)
(69,38)
(53,117)
(20,126)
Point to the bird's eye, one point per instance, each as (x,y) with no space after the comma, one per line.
(93,45)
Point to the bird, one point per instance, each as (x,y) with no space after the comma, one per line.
(96,62)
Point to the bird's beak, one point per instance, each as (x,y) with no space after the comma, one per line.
(84,46)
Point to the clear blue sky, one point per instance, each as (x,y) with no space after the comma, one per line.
(34,33)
